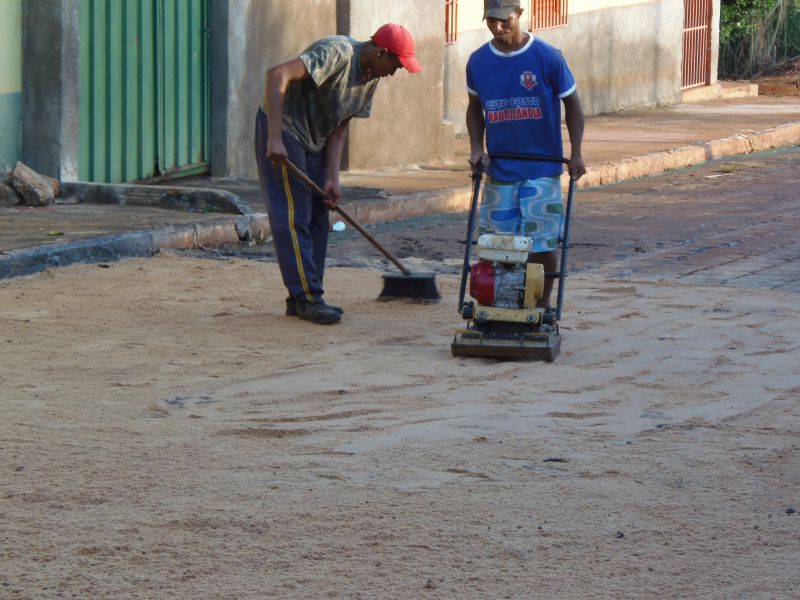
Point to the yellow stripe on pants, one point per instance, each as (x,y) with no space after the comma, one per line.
(295,244)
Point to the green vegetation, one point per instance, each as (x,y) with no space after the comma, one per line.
(756,35)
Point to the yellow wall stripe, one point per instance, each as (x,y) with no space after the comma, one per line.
(295,244)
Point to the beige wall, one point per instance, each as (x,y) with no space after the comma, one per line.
(715,40)
(625,57)
(259,35)
(406,122)
(470,12)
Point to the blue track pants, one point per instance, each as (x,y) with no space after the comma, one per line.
(298,218)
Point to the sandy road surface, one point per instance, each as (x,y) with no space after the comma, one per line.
(167,433)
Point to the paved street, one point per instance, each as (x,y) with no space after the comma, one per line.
(169,433)
(732,221)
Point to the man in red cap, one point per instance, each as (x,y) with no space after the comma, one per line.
(304,115)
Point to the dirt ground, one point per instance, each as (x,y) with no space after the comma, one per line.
(168,433)
(780,81)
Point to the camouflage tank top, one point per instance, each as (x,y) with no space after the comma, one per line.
(314,107)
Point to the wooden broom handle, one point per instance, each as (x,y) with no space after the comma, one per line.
(318,190)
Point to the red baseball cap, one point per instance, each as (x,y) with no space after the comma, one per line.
(398,39)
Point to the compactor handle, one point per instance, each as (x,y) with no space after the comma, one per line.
(532,157)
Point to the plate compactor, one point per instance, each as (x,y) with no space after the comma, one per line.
(503,320)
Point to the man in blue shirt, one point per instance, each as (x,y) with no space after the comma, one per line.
(516,84)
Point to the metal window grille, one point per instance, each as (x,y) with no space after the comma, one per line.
(450,21)
(696,43)
(547,14)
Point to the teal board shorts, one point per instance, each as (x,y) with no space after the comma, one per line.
(532,208)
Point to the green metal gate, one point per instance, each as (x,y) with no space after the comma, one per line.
(144,84)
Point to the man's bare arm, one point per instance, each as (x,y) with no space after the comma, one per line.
(333,162)
(277,82)
(476,127)
(575,123)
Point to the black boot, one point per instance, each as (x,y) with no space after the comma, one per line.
(291,308)
(318,312)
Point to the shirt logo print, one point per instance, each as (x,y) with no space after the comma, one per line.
(528,80)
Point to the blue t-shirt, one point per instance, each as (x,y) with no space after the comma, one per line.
(521,95)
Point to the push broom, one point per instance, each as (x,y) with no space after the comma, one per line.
(420,287)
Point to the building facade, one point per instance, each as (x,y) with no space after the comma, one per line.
(146,89)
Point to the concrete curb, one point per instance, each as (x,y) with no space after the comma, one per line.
(182,198)
(656,163)
(146,243)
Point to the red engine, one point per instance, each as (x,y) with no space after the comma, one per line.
(482,282)
(497,284)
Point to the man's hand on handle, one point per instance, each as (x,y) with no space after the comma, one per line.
(334,195)
(577,168)
(276,151)
(479,162)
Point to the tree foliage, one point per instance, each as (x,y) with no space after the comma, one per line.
(756,35)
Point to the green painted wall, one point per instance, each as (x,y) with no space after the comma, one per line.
(144,89)
(10,81)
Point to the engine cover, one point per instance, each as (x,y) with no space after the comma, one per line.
(498,284)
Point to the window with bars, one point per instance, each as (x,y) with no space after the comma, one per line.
(547,14)
(450,21)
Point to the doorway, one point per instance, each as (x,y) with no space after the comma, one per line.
(144,89)
(696,43)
